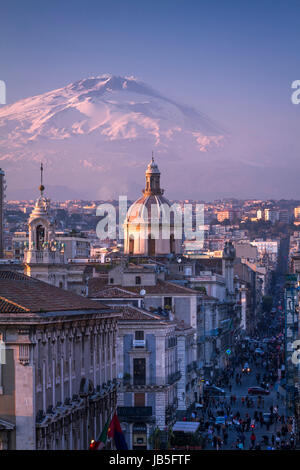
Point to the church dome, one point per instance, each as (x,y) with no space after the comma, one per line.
(149,225)
(147,208)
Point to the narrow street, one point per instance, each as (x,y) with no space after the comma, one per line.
(231,419)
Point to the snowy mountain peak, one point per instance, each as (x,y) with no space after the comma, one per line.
(101,126)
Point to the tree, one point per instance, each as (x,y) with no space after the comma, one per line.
(155,438)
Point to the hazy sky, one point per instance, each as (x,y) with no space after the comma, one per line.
(233,60)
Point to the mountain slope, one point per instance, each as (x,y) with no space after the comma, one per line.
(97,135)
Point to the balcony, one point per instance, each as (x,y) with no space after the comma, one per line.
(226,325)
(213,332)
(172,378)
(142,384)
(136,414)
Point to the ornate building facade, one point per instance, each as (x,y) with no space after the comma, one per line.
(58,385)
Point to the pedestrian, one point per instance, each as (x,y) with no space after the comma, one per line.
(292,441)
(252,440)
(258,401)
(261,419)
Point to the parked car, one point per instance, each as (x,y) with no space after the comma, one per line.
(198,406)
(258,391)
(246,369)
(213,390)
(267,418)
(259,351)
(220,420)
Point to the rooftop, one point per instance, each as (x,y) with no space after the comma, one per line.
(20,293)
(130,313)
(97,288)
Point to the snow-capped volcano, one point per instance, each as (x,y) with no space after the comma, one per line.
(97,134)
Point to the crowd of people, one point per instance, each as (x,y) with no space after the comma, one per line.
(240,418)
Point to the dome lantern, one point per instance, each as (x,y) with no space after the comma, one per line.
(152,179)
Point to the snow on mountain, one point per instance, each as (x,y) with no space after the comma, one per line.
(98,133)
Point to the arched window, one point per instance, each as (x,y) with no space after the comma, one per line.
(131,244)
(151,245)
(40,236)
(172,243)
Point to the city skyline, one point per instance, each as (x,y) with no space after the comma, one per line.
(150,227)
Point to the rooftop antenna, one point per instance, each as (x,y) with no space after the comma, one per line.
(152,156)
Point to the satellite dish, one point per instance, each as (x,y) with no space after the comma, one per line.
(142,292)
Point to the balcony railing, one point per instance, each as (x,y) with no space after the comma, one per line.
(135,414)
(152,382)
(46,256)
(172,378)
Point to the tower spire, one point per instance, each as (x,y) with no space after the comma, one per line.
(41,187)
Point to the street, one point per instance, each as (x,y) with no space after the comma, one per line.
(268,400)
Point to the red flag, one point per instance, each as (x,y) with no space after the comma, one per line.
(114,426)
(115,432)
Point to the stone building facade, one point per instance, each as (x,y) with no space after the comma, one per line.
(147,361)
(140,286)
(58,384)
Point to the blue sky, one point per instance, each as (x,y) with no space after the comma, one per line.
(234,60)
(203,51)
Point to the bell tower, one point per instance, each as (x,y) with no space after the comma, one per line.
(44,256)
